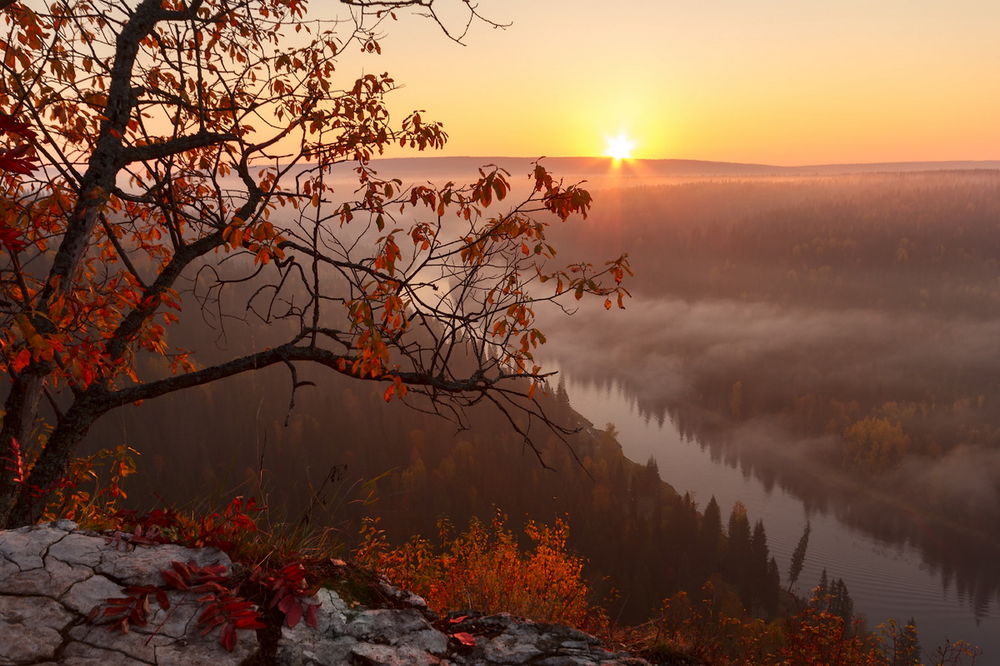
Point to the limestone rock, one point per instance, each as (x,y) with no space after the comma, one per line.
(53,576)
(504,639)
(386,655)
(82,597)
(30,628)
(26,546)
(142,566)
(51,580)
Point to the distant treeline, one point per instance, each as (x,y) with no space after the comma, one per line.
(917,240)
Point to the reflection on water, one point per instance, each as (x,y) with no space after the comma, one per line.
(886,578)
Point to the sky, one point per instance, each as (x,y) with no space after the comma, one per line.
(769,81)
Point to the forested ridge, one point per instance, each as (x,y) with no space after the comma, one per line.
(345,455)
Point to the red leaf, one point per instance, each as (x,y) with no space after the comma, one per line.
(285,602)
(9,125)
(12,239)
(460,618)
(311,615)
(227,638)
(173,580)
(13,160)
(21,360)
(209,615)
(293,615)
(465,638)
(249,622)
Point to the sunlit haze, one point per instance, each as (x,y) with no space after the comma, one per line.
(772,81)
(673,321)
(619,147)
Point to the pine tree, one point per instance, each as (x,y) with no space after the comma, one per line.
(758,548)
(840,602)
(820,597)
(799,558)
(736,559)
(710,537)
(771,595)
(562,395)
(907,646)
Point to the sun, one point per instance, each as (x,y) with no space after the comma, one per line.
(619,147)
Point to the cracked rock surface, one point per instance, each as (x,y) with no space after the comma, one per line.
(394,637)
(52,576)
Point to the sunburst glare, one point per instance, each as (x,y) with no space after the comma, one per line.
(619,147)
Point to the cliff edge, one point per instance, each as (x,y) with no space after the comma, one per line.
(56,582)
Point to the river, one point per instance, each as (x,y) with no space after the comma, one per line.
(884,579)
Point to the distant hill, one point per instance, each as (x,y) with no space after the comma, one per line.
(436,168)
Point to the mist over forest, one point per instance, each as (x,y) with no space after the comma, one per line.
(835,336)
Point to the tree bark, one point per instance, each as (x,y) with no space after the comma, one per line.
(20,410)
(52,462)
(105,162)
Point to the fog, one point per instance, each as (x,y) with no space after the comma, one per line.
(666,348)
(836,337)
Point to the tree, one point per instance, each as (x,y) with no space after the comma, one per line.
(902,642)
(710,537)
(839,600)
(186,152)
(736,558)
(757,585)
(799,558)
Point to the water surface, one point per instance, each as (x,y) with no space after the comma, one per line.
(884,579)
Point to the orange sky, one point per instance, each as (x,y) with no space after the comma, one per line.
(772,81)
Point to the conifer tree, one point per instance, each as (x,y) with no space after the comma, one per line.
(710,537)
(799,558)
(907,647)
(737,556)
(773,589)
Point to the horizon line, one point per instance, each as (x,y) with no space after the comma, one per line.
(686,159)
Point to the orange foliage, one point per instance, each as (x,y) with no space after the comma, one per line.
(139,146)
(712,629)
(89,494)
(484,568)
(819,638)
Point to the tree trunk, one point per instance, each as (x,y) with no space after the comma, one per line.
(104,164)
(20,412)
(24,504)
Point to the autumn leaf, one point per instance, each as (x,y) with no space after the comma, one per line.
(15,161)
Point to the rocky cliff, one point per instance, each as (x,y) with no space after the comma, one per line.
(56,580)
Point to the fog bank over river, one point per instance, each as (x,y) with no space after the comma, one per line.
(712,391)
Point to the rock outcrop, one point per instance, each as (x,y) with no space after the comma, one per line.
(52,577)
